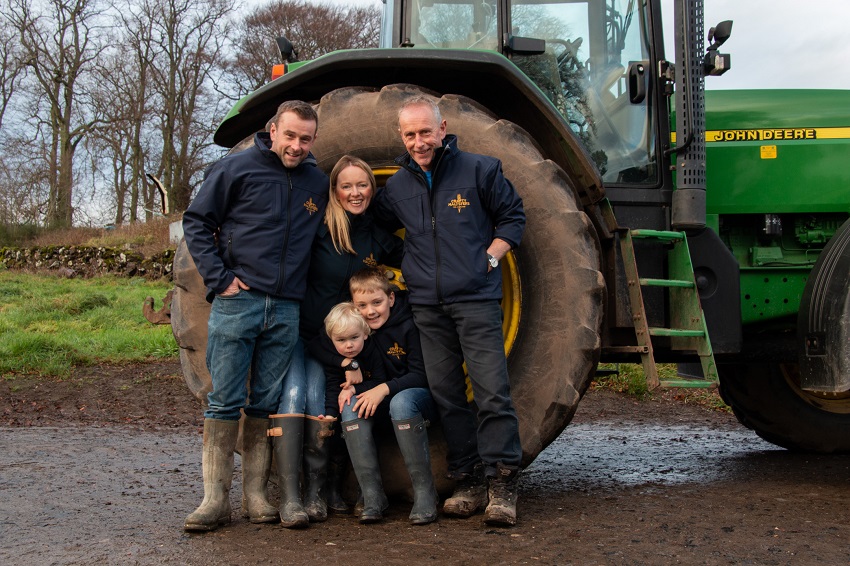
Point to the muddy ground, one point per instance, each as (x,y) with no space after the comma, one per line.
(104,466)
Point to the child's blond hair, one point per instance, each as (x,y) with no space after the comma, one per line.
(344,317)
(369,279)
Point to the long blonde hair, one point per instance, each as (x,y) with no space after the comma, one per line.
(335,217)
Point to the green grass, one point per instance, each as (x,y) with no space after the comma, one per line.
(50,325)
(629,380)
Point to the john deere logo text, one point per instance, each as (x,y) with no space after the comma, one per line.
(311,206)
(396,351)
(370,261)
(459,203)
(762,135)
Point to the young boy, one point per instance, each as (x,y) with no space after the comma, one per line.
(404,394)
(345,336)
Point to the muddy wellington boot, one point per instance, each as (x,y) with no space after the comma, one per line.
(338,466)
(256,465)
(364,459)
(317,445)
(217,463)
(502,490)
(412,438)
(287,432)
(470,494)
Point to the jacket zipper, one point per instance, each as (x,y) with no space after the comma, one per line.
(282,269)
(433,191)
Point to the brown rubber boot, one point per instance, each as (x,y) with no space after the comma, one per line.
(217,464)
(470,495)
(256,465)
(502,490)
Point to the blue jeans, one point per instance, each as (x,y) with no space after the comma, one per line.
(471,331)
(251,338)
(303,384)
(404,405)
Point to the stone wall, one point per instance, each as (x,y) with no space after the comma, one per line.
(85,261)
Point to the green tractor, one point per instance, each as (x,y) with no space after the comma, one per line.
(627,257)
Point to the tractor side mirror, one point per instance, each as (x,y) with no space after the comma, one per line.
(287,51)
(718,35)
(718,63)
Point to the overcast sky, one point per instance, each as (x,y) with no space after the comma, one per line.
(779,43)
(774,43)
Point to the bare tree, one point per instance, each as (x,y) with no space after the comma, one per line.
(11,65)
(60,45)
(122,146)
(24,186)
(314,30)
(188,39)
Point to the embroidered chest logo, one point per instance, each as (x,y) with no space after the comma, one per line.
(370,261)
(396,351)
(311,206)
(458,203)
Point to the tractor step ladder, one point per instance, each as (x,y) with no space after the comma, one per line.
(688,329)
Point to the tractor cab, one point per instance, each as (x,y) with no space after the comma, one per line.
(591,58)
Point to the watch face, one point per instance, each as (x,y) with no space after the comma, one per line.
(353,365)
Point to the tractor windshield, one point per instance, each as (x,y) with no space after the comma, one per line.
(454,24)
(590,45)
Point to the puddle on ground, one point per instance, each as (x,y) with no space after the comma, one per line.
(597,456)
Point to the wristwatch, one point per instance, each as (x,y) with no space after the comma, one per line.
(494,263)
(353,366)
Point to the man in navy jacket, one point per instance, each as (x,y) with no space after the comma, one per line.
(249,230)
(461,216)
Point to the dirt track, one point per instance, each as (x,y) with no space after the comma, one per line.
(104,467)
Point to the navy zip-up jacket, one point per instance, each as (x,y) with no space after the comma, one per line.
(449,227)
(255,219)
(330,270)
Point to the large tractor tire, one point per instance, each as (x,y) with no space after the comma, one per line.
(767,398)
(555,290)
(189,315)
(805,406)
(559,301)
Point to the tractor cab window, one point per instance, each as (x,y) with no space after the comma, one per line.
(590,46)
(454,24)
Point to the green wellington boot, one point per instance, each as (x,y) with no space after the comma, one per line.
(412,438)
(287,432)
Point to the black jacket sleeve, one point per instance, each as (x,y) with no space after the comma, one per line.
(382,212)
(372,367)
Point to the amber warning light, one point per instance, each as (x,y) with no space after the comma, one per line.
(278,70)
